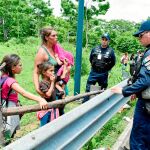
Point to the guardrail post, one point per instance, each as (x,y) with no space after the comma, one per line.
(2,141)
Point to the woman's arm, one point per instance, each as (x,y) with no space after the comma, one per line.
(43,103)
(39,58)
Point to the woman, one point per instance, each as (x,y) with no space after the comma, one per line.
(46,52)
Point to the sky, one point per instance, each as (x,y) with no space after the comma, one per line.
(132,10)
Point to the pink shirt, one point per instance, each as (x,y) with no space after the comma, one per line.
(60,72)
(5,89)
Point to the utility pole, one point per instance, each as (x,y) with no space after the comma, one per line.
(77,77)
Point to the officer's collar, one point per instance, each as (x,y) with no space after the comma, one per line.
(103,47)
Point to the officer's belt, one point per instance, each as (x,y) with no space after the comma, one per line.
(99,70)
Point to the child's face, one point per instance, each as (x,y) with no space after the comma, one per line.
(17,68)
(49,72)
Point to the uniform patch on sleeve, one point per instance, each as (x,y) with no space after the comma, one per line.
(146,62)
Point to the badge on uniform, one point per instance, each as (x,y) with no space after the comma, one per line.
(99,56)
(146,62)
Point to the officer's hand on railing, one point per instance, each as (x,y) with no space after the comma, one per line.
(133,97)
(117,90)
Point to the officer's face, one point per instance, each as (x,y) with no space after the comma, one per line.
(104,42)
(144,38)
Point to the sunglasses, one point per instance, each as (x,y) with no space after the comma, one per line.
(141,35)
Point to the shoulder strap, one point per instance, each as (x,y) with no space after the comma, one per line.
(138,67)
(2,81)
(45,49)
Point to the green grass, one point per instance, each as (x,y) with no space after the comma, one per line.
(106,136)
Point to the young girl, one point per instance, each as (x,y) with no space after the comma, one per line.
(11,88)
(47,86)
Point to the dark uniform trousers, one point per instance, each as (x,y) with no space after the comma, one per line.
(96,77)
(140,134)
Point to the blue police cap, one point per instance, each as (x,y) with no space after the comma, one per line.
(106,35)
(145,26)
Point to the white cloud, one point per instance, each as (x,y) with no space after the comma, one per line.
(132,10)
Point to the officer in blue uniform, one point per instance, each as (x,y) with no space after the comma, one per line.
(102,59)
(140,134)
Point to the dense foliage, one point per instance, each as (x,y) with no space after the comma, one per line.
(21,19)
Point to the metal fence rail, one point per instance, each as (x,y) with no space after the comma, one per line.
(72,130)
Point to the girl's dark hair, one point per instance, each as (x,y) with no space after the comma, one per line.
(44,67)
(46,31)
(9,61)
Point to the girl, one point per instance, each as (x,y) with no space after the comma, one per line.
(11,88)
(47,86)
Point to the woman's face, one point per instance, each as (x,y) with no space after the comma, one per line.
(16,69)
(52,38)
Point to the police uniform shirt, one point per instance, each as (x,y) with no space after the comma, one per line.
(143,80)
(103,53)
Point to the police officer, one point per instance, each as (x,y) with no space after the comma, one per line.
(140,134)
(102,59)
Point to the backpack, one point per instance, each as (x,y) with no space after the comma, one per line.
(2,81)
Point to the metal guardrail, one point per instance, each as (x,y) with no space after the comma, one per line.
(72,130)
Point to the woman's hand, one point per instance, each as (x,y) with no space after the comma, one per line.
(116,90)
(43,103)
(65,61)
(56,55)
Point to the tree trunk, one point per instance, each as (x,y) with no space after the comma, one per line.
(54,104)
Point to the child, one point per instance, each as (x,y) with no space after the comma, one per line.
(11,88)
(65,60)
(47,86)
(63,76)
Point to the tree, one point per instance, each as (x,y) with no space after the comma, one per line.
(22,18)
(92,8)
